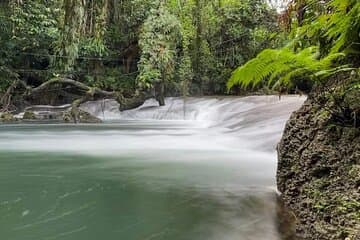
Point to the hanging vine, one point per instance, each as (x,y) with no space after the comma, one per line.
(72,26)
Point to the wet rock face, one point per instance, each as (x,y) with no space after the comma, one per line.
(319,174)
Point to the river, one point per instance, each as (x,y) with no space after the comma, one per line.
(195,169)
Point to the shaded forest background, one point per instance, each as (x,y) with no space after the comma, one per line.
(127,44)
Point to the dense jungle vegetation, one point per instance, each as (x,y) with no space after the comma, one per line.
(57,51)
(129,46)
(320,57)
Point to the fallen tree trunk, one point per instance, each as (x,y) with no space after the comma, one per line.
(136,101)
(66,81)
(82,91)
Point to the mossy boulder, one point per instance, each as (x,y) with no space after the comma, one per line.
(29,115)
(82,117)
(7,117)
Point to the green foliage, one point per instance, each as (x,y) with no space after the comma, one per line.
(192,44)
(27,30)
(112,78)
(67,46)
(125,20)
(319,43)
(333,25)
(235,32)
(5,35)
(158,41)
(277,68)
(93,47)
(34,24)
(343,25)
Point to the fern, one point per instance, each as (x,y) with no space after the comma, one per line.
(279,67)
(344,24)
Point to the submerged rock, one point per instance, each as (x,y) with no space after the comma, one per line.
(7,117)
(29,115)
(319,172)
(83,117)
(45,113)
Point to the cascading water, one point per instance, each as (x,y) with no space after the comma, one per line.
(255,119)
(200,169)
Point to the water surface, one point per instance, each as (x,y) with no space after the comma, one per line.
(200,171)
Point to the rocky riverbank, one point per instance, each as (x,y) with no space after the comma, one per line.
(319,168)
(41,113)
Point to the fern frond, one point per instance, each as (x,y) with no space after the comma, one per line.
(279,67)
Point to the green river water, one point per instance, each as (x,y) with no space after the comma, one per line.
(143,179)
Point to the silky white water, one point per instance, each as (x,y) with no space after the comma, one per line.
(199,168)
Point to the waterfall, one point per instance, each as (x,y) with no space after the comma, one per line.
(256,119)
(254,122)
(219,110)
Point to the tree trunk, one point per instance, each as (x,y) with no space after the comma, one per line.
(160,93)
(84,93)
(197,53)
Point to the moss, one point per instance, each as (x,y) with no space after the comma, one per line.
(321,206)
(351,98)
(323,187)
(354,172)
(28,115)
(323,114)
(348,205)
(7,117)
(84,117)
